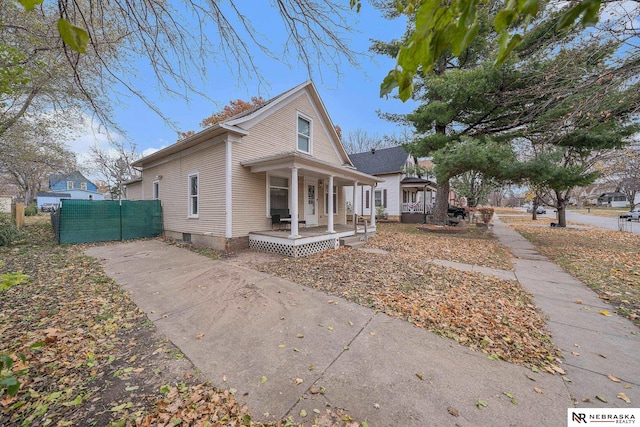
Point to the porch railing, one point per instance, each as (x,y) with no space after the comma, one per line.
(416,207)
(359,218)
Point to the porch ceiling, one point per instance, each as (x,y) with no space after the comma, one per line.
(308,166)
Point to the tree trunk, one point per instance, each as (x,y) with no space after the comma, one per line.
(562,212)
(440,216)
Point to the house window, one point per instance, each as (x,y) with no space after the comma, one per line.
(304,135)
(156,190)
(83,185)
(380,197)
(69,185)
(366,199)
(194,189)
(326,200)
(278,192)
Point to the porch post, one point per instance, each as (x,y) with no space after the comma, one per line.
(294,203)
(372,204)
(355,192)
(330,206)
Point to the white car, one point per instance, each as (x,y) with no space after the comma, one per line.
(634,214)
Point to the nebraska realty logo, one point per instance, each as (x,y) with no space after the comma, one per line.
(582,416)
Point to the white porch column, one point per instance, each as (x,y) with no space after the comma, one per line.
(372,203)
(330,206)
(294,203)
(355,198)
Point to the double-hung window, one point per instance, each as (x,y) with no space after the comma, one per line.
(83,185)
(69,185)
(304,135)
(194,193)
(156,189)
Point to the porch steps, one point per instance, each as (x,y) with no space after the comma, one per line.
(353,241)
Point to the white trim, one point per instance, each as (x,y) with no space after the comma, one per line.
(190,214)
(228,232)
(308,119)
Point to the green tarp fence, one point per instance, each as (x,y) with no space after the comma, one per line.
(84,221)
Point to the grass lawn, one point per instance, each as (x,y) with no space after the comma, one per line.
(606,261)
(600,211)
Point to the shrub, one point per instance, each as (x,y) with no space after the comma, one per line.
(8,231)
(486,214)
(31,210)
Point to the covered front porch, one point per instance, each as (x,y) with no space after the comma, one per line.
(311,193)
(418,199)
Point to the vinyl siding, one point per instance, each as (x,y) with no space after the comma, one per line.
(209,163)
(276,133)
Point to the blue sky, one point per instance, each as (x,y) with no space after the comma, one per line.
(351,99)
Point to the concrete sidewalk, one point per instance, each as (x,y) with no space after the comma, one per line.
(263,335)
(594,346)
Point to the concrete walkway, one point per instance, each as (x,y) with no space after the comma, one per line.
(594,346)
(279,343)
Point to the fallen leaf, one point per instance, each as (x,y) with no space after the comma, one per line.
(624,397)
(481,404)
(298,381)
(263,379)
(420,376)
(605,313)
(578,301)
(299,336)
(303,413)
(602,399)
(200,336)
(537,390)
(613,378)
(453,411)
(575,353)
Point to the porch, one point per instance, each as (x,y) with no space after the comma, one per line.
(308,241)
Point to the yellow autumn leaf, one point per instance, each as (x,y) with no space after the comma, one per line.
(605,313)
(624,397)
(613,378)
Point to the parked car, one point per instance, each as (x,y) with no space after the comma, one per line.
(457,212)
(49,207)
(634,214)
(539,210)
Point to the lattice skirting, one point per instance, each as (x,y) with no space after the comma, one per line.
(294,251)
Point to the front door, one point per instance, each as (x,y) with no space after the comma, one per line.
(311,203)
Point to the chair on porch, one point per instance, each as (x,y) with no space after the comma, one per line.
(275,219)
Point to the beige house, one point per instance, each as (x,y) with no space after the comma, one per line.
(239,183)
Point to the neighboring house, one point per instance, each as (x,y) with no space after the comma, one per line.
(68,186)
(50,199)
(229,185)
(613,200)
(400,196)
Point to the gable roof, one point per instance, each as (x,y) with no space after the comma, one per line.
(235,124)
(75,176)
(382,161)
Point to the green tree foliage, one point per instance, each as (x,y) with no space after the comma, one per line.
(440,29)
(570,91)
